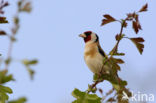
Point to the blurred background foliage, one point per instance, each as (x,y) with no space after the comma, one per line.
(22,6)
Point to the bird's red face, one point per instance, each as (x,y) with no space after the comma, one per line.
(87,36)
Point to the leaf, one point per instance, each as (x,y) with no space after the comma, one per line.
(139,39)
(5,89)
(111,100)
(13,39)
(107,19)
(26,8)
(29,62)
(116,67)
(2,32)
(123,83)
(31,73)
(144,8)
(32,62)
(20,100)
(119,54)
(114,62)
(3,20)
(119,61)
(138,42)
(4,93)
(4,77)
(136,26)
(77,93)
(8,61)
(83,97)
(16,20)
(95,77)
(3,97)
(92,97)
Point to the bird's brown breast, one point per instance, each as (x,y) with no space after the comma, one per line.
(90,50)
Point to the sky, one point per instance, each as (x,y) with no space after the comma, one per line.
(50,34)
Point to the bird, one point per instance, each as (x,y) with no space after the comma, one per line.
(93,53)
(94,57)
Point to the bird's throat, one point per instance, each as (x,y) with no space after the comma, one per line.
(88,38)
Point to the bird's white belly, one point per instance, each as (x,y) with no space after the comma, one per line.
(94,63)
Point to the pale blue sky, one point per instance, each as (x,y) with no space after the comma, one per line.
(50,33)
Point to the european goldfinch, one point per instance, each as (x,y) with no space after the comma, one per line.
(93,53)
(94,58)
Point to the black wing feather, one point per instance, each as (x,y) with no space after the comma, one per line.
(101,51)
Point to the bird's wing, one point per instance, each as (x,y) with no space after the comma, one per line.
(100,50)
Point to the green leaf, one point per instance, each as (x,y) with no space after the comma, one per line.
(119,54)
(29,62)
(123,83)
(7,61)
(107,19)
(5,89)
(3,97)
(138,42)
(4,77)
(83,97)
(4,93)
(77,93)
(16,20)
(95,77)
(31,72)
(32,62)
(20,100)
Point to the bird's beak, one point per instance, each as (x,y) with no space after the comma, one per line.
(82,35)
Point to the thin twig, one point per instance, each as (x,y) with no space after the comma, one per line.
(10,47)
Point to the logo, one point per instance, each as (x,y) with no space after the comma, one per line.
(139,97)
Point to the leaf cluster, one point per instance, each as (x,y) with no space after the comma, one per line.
(84,97)
(4,90)
(28,64)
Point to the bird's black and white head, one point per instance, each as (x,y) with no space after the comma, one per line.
(89,36)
